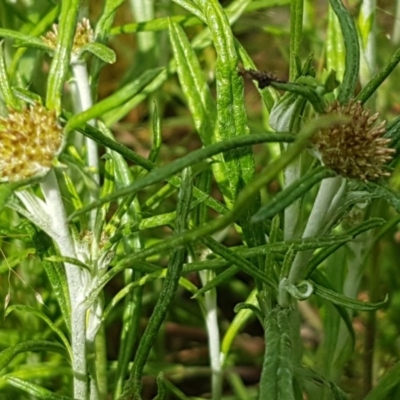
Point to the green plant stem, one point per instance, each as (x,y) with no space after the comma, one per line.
(84,102)
(322,205)
(292,212)
(296,33)
(214,342)
(75,279)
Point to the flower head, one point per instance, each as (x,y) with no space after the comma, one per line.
(29,141)
(83,35)
(355,149)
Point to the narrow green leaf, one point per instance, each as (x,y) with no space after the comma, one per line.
(157,24)
(9,99)
(44,371)
(332,323)
(291,193)
(239,262)
(347,302)
(193,84)
(349,31)
(296,33)
(306,91)
(101,51)
(386,384)
(157,136)
(335,50)
(232,119)
(8,354)
(168,290)
(56,274)
(107,188)
(190,6)
(62,55)
(238,322)
(318,379)
(318,258)
(113,101)
(35,390)
(69,260)
(369,89)
(161,392)
(28,40)
(45,318)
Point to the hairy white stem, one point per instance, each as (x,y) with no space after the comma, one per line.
(76,284)
(292,174)
(316,223)
(84,100)
(211,316)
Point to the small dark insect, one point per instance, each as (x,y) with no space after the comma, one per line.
(264,79)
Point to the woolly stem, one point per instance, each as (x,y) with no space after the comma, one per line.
(57,214)
(315,225)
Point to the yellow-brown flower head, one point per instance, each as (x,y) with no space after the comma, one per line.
(355,149)
(83,35)
(29,141)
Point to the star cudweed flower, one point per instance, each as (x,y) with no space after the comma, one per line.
(356,149)
(29,142)
(83,35)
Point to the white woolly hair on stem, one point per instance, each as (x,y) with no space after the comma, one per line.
(211,319)
(292,173)
(84,100)
(315,224)
(214,342)
(76,284)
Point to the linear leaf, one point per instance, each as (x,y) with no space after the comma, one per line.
(45,318)
(113,101)
(30,345)
(193,84)
(347,302)
(35,390)
(292,193)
